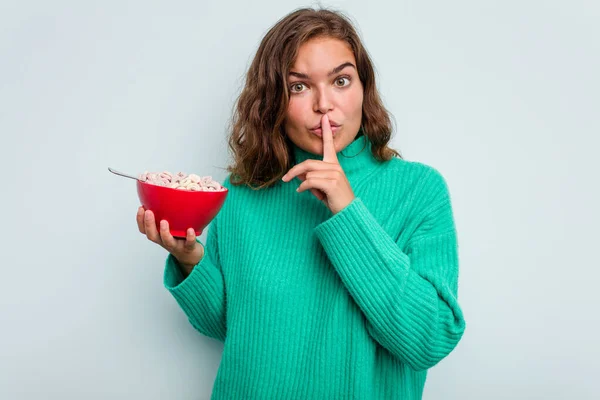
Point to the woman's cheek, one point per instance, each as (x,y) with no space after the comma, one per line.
(295,111)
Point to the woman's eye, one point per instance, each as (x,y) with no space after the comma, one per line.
(295,85)
(299,85)
(342,79)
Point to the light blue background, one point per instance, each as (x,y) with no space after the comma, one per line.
(501,96)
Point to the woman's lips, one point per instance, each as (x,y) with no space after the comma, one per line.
(319,131)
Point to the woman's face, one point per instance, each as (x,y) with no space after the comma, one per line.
(324,80)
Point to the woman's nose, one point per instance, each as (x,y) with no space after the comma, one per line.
(323,102)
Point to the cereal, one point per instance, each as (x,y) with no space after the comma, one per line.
(181,181)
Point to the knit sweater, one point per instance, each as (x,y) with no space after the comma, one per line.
(314,305)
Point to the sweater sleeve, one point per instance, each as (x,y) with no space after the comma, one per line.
(201,295)
(409,299)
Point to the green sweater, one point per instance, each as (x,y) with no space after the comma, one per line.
(311,305)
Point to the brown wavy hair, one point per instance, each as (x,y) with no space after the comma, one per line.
(262,152)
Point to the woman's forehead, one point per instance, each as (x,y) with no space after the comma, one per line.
(319,70)
(323,57)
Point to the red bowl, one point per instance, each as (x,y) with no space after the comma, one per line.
(183,209)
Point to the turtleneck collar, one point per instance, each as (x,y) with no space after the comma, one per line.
(355,159)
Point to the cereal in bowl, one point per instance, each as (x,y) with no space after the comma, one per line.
(181,181)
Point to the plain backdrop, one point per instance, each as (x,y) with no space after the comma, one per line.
(502,97)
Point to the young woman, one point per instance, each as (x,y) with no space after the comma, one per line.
(331,272)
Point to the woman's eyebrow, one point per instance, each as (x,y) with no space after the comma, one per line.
(333,71)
